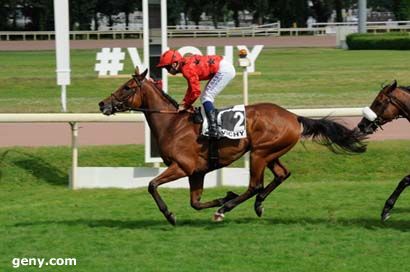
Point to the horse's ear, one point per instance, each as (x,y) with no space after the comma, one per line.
(392,87)
(143,75)
(136,71)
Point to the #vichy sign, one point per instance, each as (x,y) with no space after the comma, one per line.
(109,61)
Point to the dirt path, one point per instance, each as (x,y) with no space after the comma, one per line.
(128,133)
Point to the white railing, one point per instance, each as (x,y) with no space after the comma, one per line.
(384,26)
(209,31)
(74,118)
(74,35)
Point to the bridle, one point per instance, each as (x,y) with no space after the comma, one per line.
(391,99)
(119,104)
(399,105)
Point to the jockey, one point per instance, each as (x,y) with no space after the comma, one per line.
(195,68)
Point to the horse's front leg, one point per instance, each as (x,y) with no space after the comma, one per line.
(196,185)
(394,196)
(172,173)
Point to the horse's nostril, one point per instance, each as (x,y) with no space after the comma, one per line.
(101,104)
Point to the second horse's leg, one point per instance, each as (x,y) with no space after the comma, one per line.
(394,196)
(196,185)
(281,174)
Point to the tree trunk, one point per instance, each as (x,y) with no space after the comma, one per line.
(96,25)
(236,17)
(127,19)
(338,8)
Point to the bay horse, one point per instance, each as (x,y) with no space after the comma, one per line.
(391,103)
(272,131)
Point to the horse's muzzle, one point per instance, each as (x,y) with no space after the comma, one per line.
(106,109)
(367,127)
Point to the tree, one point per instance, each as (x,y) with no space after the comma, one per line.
(235,6)
(402,9)
(6,8)
(260,9)
(195,11)
(290,12)
(322,10)
(217,9)
(40,12)
(128,7)
(174,9)
(81,13)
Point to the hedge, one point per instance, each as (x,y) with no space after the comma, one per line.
(394,41)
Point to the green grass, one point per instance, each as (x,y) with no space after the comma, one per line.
(296,78)
(325,217)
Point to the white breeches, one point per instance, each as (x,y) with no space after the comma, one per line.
(224,75)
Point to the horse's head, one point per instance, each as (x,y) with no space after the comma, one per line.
(127,97)
(383,109)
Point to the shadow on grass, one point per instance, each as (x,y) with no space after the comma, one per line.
(128,224)
(43,171)
(366,223)
(37,167)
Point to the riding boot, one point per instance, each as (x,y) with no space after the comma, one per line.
(213,126)
(213,155)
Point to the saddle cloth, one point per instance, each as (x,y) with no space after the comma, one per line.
(231,122)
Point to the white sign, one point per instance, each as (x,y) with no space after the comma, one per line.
(109,62)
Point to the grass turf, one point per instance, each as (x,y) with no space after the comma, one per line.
(326,216)
(290,77)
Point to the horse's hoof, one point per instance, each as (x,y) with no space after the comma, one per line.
(385,216)
(259,210)
(218,217)
(171,219)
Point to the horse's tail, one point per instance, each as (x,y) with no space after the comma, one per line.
(336,137)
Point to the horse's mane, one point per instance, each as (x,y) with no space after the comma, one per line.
(406,88)
(169,98)
(164,94)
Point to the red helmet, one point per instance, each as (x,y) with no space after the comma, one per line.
(169,57)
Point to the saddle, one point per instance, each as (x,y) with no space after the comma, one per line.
(231,124)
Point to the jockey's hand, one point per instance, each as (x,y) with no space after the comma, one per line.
(182,108)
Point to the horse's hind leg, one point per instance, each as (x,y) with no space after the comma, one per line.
(196,185)
(257,168)
(281,173)
(394,196)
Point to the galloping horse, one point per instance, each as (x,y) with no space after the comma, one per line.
(391,103)
(272,131)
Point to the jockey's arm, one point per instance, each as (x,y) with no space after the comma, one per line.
(194,89)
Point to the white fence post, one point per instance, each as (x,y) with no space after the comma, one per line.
(74,155)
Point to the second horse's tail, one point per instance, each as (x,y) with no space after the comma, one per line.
(336,137)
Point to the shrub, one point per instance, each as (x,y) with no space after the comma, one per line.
(394,41)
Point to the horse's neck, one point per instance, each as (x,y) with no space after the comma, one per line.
(159,123)
(405,95)
(155,100)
